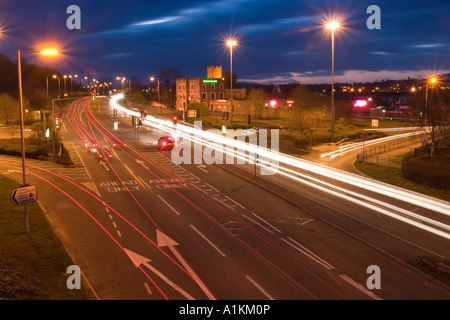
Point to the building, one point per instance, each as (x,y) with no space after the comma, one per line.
(213,91)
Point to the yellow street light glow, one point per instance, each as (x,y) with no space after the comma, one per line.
(332,25)
(231,43)
(433,80)
(49,52)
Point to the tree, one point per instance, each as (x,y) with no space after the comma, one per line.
(9,108)
(434,113)
(257,99)
(167,82)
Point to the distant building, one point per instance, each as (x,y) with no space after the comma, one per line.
(212,91)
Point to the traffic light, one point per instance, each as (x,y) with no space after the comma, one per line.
(115,113)
(57,122)
(140,122)
(93,95)
(174,120)
(145,113)
(135,121)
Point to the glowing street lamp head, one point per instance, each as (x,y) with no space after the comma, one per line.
(433,80)
(332,25)
(49,52)
(231,43)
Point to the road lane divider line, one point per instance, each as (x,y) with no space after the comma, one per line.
(144,184)
(308,253)
(258,224)
(168,205)
(147,288)
(270,225)
(208,241)
(360,287)
(264,292)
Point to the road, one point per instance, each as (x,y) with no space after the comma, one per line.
(141,227)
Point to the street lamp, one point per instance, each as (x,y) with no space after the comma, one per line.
(333,26)
(432,81)
(45,52)
(65,90)
(231,43)
(59,84)
(153,79)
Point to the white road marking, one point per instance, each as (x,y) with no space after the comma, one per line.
(276,229)
(202,167)
(360,287)
(208,241)
(308,253)
(167,204)
(147,288)
(84,166)
(259,288)
(258,224)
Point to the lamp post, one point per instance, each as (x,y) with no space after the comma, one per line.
(65,88)
(231,43)
(46,52)
(431,80)
(333,26)
(153,79)
(59,84)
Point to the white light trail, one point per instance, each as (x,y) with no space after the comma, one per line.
(228,146)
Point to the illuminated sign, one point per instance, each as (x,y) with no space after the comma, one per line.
(209,80)
(360,103)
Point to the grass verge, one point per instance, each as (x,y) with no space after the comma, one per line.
(395,177)
(32,266)
(437,268)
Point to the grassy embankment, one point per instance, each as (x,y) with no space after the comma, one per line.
(32,266)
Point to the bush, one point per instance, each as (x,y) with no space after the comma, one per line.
(431,172)
(13,147)
(201,107)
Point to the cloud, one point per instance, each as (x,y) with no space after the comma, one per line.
(347,76)
(156,21)
(428,45)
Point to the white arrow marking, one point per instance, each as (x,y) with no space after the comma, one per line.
(141,163)
(163,240)
(103,163)
(138,260)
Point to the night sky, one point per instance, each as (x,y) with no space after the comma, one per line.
(278,41)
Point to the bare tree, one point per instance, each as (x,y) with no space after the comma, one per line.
(167,81)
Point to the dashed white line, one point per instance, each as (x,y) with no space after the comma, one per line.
(308,253)
(258,224)
(147,288)
(208,241)
(276,229)
(167,204)
(360,287)
(264,292)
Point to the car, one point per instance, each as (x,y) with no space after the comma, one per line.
(166,143)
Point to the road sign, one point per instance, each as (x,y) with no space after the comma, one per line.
(24,195)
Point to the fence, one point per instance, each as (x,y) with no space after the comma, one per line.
(371,154)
